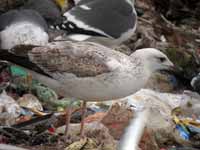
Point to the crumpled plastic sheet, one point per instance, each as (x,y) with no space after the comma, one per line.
(9,109)
(165,102)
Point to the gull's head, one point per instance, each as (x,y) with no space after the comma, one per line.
(153,59)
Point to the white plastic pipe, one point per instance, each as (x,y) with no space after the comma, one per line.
(134,131)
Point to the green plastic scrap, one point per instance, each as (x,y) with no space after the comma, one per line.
(49,97)
(44,94)
(18,71)
(68,102)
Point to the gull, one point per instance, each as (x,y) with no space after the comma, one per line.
(22,27)
(89,71)
(108,22)
(195,83)
(48,9)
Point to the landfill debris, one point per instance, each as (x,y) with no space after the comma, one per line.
(30,133)
(83,144)
(30,101)
(14,136)
(10,147)
(179,148)
(148,141)
(178,10)
(4,76)
(162,82)
(25,117)
(17,71)
(117,119)
(165,102)
(184,132)
(189,129)
(50,98)
(100,106)
(23,83)
(163,108)
(77,114)
(95,131)
(38,124)
(95,117)
(9,109)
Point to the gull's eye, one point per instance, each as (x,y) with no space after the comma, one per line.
(162,59)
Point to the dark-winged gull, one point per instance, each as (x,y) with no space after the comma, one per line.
(109,22)
(47,8)
(89,71)
(195,83)
(22,27)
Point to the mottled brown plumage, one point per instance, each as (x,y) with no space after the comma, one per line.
(67,58)
(58,60)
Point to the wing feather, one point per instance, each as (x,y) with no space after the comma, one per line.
(81,60)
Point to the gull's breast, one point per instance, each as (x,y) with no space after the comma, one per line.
(109,86)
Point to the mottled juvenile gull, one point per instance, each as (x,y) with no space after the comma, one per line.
(109,22)
(89,71)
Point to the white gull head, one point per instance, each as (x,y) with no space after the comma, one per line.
(153,60)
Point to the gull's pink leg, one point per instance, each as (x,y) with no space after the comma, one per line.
(83,117)
(68,118)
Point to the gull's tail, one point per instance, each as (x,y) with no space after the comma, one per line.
(19,56)
(21,59)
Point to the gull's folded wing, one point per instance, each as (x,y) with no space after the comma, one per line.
(79,59)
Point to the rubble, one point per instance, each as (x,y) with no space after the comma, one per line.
(10,147)
(30,101)
(117,119)
(9,110)
(163,108)
(98,137)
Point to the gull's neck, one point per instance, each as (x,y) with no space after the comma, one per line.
(141,71)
